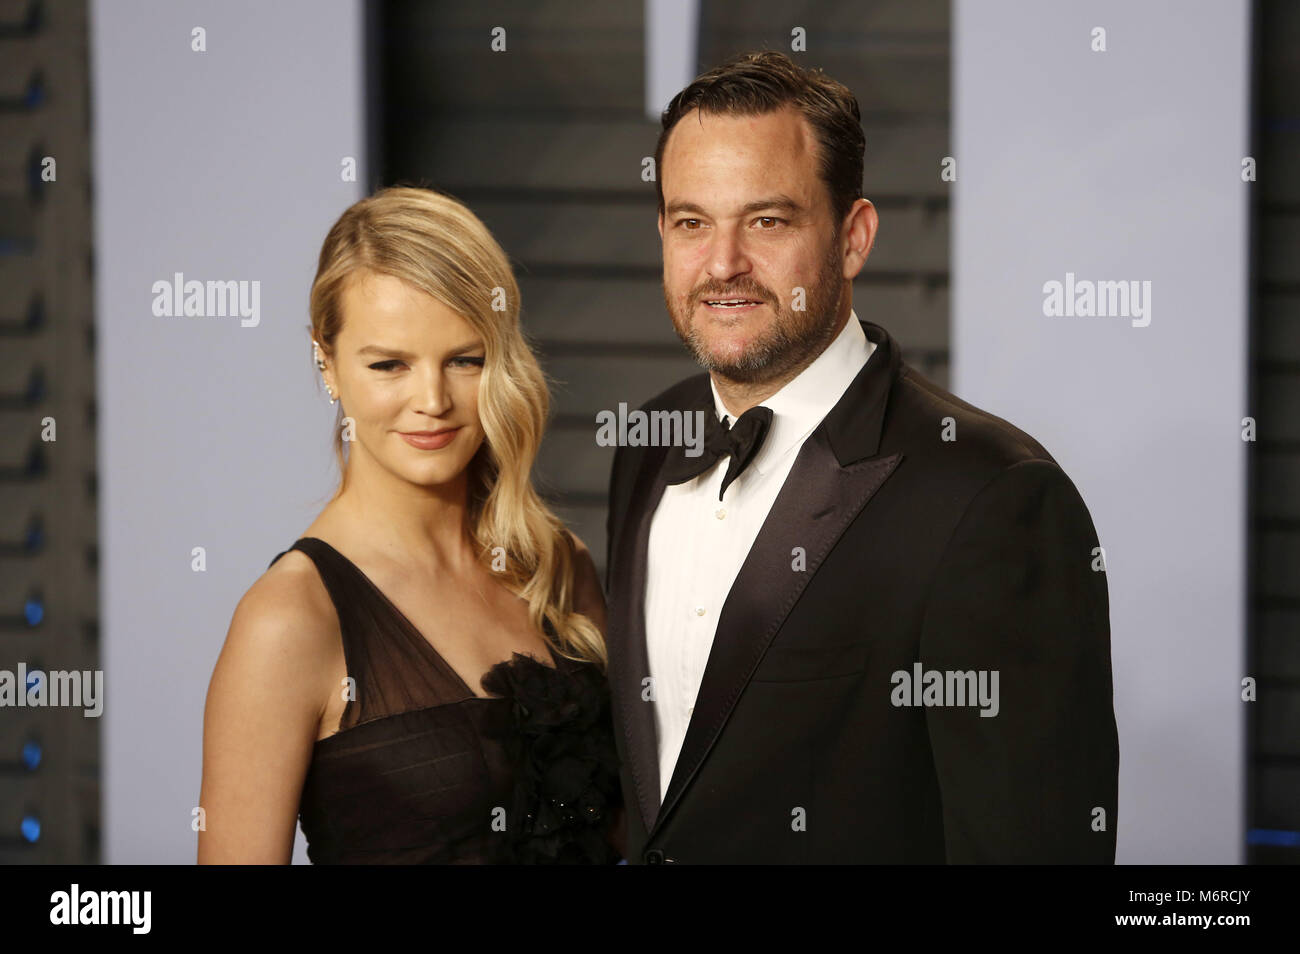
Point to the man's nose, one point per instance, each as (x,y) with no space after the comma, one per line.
(727,256)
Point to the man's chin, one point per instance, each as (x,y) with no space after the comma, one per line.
(729,352)
(731,342)
(732,365)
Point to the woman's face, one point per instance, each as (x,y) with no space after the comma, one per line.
(406,369)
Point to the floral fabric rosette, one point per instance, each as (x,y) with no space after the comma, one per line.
(560,742)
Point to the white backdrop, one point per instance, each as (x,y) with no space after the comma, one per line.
(223,165)
(1125,165)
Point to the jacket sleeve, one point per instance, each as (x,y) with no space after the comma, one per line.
(1031,776)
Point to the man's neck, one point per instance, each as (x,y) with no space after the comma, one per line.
(739,396)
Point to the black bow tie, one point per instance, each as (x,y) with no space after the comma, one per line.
(740,442)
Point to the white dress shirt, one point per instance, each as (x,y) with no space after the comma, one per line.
(698,544)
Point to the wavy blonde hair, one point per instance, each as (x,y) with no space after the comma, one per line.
(436,244)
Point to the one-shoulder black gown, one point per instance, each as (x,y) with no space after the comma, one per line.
(423,770)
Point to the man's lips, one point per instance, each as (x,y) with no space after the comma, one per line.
(731,304)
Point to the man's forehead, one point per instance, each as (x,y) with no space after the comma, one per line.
(786,122)
(783,151)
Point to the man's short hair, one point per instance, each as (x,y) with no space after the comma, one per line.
(752,84)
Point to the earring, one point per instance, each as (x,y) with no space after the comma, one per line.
(320,366)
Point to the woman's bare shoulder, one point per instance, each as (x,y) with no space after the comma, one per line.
(286,614)
(269,690)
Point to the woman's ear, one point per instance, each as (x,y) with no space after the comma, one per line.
(326,368)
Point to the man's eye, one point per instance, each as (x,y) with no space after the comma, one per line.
(688,224)
(384,365)
(768,218)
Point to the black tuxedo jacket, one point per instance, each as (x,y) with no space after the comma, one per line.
(974,553)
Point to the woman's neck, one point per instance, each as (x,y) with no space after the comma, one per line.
(395,519)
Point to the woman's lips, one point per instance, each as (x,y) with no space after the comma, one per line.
(427,440)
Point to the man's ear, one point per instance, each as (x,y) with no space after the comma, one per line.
(862,223)
(661,226)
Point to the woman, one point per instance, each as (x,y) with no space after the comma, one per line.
(420,677)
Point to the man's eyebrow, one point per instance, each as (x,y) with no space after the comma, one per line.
(776,202)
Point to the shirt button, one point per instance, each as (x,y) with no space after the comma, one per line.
(720,513)
(699,611)
(690,710)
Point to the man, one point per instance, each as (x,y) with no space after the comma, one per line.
(869,623)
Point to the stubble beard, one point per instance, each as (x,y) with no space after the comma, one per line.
(790,342)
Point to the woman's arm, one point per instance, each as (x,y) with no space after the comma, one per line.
(589,600)
(588,594)
(264,706)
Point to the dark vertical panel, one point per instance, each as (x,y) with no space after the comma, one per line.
(49,757)
(545,143)
(1274,619)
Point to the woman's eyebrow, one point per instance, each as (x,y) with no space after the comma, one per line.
(383,352)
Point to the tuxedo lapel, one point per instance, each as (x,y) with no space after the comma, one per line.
(817,503)
(827,487)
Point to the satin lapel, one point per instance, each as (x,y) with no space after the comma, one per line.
(818,501)
(629,661)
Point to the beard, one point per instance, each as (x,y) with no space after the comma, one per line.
(792,339)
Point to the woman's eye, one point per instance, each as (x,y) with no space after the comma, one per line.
(384,365)
(463,362)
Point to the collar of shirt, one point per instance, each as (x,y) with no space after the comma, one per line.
(806,399)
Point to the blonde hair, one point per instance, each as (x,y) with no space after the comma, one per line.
(435,244)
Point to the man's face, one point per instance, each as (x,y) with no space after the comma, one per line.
(747,217)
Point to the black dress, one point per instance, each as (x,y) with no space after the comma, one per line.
(423,770)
